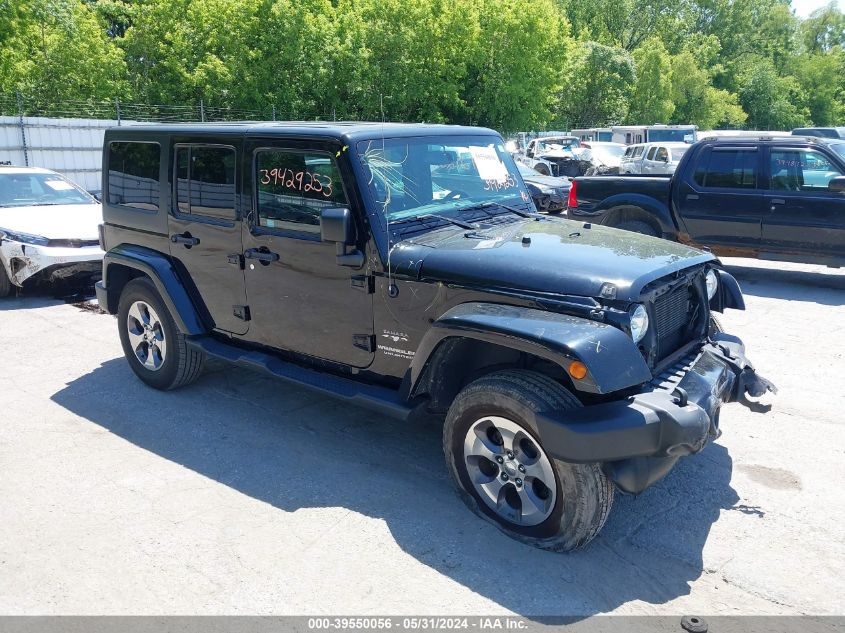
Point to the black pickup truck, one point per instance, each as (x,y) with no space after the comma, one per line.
(779,198)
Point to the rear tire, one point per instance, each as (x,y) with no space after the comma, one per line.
(153,345)
(543,502)
(5,284)
(638,226)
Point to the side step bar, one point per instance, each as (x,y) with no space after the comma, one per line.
(377,398)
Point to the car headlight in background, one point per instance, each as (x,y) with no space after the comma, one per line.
(639,323)
(23,238)
(712,283)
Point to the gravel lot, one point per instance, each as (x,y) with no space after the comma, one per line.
(240,494)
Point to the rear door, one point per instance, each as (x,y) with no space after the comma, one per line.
(719,197)
(802,214)
(205,229)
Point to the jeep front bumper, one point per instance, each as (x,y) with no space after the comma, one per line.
(639,438)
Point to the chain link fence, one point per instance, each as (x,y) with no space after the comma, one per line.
(18,104)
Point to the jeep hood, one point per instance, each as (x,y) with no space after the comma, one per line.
(548,256)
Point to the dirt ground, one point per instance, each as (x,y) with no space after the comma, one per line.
(240,494)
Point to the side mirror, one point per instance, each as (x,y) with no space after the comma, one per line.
(837,184)
(336,226)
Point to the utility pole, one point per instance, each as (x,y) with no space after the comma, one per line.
(117,108)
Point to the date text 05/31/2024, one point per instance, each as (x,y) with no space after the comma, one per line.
(429,623)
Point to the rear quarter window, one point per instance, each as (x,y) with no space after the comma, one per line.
(133,175)
(729,168)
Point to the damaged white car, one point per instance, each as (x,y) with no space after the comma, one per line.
(48,229)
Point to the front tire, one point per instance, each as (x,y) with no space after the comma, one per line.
(503,473)
(638,226)
(154,347)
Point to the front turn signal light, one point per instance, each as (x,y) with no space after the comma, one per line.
(577,369)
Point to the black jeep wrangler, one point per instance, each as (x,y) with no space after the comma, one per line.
(404,267)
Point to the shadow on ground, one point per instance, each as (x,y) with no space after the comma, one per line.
(244,431)
(45,295)
(827,288)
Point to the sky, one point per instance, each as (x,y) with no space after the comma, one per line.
(803,8)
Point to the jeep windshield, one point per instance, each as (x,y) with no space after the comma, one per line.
(416,177)
(36,189)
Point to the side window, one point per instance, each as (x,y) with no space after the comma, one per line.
(650,155)
(729,168)
(628,152)
(801,170)
(293,188)
(662,154)
(205,180)
(133,175)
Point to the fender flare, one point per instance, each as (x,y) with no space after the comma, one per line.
(613,361)
(653,207)
(164,276)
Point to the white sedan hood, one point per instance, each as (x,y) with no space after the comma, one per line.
(61,221)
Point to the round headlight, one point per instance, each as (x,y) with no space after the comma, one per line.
(712,283)
(639,323)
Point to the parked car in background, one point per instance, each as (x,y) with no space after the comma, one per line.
(548,192)
(605,158)
(653,158)
(821,132)
(632,158)
(48,228)
(663,158)
(779,198)
(553,156)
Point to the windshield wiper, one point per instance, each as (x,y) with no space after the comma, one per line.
(428,216)
(519,212)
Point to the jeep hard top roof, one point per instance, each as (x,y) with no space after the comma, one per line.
(345,130)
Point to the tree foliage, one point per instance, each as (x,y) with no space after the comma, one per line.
(509,64)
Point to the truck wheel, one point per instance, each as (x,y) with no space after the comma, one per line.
(637,226)
(5,284)
(153,345)
(504,475)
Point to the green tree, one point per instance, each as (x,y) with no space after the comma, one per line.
(697,101)
(823,30)
(56,51)
(822,80)
(517,67)
(600,86)
(773,102)
(651,101)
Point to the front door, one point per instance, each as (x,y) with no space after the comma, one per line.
(205,230)
(721,202)
(301,300)
(803,214)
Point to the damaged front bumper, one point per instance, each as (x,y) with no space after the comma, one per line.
(639,439)
(51,263)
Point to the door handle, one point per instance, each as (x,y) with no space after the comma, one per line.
(262,254)
(692,196)
(778,201)
(186,239)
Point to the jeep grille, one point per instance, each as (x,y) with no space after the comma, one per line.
(672,316)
